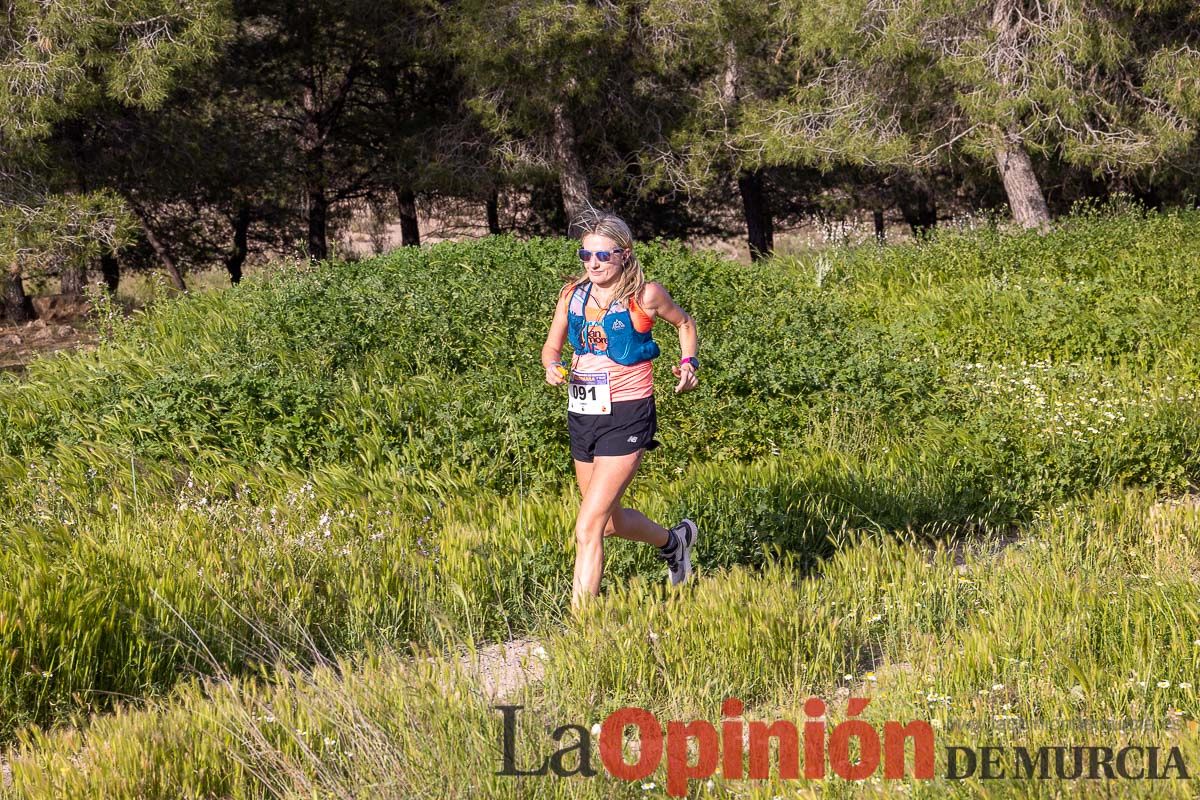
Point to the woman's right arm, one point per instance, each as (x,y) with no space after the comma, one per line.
(555,339)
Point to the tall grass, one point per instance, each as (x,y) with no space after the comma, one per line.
(971,637)
(104,603)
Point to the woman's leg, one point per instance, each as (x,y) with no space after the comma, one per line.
(609,475)
(625,523)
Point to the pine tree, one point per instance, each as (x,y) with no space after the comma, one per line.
(1002,81)
(545,76)
(57,60)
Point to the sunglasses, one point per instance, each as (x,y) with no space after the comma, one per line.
(601,255)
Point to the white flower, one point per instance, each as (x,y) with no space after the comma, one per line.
(647,786)
(1163,684)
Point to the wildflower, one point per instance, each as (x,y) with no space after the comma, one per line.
(1163,684)
(647,786)
(1184,685)
(997,687)
(870,676)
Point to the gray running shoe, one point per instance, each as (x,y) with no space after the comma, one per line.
(679,561)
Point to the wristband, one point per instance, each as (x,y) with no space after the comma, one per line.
(695,362)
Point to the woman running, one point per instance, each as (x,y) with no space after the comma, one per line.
(608,312)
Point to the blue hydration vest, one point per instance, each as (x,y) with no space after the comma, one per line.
(626,345)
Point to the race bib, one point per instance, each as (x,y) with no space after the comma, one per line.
(589,393)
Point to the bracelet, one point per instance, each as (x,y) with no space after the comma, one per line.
(691,361)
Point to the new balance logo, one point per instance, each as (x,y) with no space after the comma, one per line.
(633,439)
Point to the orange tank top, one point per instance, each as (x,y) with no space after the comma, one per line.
(626,383)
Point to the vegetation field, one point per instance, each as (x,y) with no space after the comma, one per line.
(248,544)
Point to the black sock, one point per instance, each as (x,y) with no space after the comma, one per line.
(672,542)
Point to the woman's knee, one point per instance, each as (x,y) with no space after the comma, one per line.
(588,529)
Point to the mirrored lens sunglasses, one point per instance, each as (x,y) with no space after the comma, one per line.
(601,255)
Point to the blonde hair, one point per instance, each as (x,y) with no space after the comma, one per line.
(604,223)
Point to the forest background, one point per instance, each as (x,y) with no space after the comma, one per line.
(182,135)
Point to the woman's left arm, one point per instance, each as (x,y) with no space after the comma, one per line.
(657,302)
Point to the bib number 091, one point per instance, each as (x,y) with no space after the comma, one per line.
(589,393)
(583,392)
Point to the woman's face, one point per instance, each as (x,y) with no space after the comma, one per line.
(599,272)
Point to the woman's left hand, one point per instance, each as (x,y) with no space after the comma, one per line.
(687,378)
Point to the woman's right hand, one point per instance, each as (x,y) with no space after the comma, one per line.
(556,374)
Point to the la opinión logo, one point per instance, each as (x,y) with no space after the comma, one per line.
(738,744)
(853,750)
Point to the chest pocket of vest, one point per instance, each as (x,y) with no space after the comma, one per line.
(595,337)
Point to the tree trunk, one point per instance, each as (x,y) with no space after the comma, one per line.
(1025,196)
(573,181)
(18,307)
(312,145)
(917,202)
(164,255)
(493,212)
(1021,185)
(410,231)
(880,232)
(73,279)
(760,229)
(318,207)
(110,268)
(241,245)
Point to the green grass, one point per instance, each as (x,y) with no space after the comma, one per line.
(983,642)
(362,458)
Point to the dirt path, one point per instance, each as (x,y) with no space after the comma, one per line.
(21,344)
(505,668)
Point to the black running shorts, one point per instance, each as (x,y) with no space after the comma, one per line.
(629,428)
